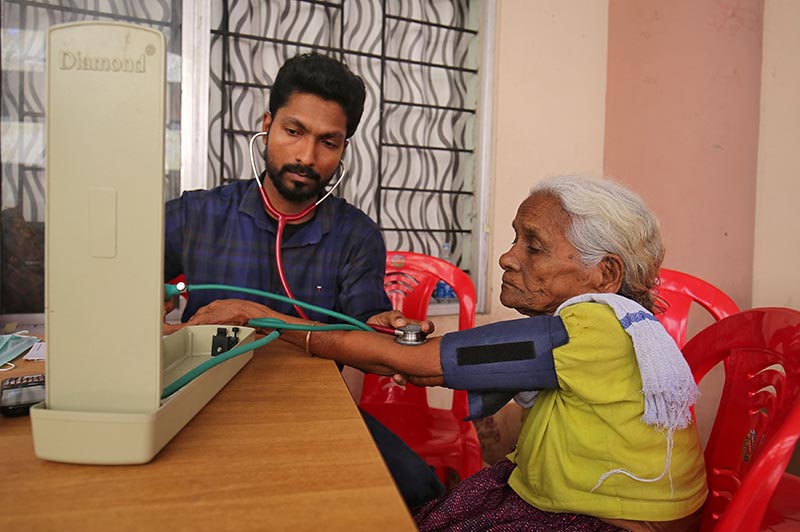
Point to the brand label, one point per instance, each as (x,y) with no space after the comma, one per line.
(102,63)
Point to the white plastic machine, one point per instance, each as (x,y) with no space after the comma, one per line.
(106,360)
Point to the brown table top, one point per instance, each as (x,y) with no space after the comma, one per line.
(281,447)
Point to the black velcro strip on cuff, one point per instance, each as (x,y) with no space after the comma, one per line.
(482,354)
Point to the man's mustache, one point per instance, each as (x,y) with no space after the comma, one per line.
(302,170)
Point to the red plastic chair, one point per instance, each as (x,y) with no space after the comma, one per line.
(758,421)
(442,437)
(679,290)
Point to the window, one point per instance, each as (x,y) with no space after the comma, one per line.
(416,164)
(24,31)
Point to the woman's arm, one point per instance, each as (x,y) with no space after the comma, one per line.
(373,352)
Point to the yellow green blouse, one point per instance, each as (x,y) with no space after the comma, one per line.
(591,425)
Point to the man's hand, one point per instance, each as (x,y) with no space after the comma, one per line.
(224,312)
(395,320)
(169,306)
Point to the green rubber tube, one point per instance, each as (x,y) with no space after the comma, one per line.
(263,323)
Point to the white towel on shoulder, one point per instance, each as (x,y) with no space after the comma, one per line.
(667,382)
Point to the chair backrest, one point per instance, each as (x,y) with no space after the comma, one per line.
(678,290)
(758,421)
(410,281)
(412,277)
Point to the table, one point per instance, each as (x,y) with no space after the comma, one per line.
(281,448)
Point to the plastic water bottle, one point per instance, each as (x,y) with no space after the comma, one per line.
(444,293)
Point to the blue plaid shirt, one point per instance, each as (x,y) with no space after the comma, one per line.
(223,236)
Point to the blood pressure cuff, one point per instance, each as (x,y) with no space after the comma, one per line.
(494,362)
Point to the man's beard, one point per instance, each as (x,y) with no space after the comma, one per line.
(293,191)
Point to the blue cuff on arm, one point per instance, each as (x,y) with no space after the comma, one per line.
(507,356)
(483,404)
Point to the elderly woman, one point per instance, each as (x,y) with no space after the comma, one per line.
(606,443)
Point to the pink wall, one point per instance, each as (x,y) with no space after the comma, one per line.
(682,121)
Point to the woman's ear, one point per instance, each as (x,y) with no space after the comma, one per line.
(612,270)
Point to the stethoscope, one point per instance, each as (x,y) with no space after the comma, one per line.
(409,335)
(284,218)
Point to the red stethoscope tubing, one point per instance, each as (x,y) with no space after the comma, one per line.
(282,219)
(381,329)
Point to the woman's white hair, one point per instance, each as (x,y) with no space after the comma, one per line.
(607,218)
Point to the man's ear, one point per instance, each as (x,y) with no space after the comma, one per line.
(612,271)
(341,156)
(266,123)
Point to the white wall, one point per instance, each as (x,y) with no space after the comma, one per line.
(777,246)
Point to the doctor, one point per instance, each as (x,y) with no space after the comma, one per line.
(334,256)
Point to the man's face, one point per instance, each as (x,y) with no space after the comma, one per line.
(305,143)
(543,269)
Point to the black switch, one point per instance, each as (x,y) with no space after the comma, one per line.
(219,343)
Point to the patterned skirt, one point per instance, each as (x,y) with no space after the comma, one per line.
(485,502)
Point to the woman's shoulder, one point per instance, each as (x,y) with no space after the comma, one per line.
(590,315)
(594,333)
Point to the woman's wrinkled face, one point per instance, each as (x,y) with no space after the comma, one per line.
(543,269)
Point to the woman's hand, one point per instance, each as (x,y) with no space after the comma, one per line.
(224,312)
(230,312)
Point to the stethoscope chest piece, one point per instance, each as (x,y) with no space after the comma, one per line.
(410,335)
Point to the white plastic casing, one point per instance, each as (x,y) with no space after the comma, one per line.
(104,252)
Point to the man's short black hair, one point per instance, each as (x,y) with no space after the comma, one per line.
(322,76)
